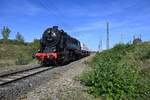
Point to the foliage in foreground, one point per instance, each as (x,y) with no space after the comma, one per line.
(117,73)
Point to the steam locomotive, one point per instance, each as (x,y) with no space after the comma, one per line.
(57,47)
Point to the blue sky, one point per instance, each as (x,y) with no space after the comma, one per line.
(82,19)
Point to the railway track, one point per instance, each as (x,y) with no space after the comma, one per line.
(14,76)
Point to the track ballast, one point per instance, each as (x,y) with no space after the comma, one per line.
(13,77)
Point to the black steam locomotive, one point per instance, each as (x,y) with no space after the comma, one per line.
(57,47)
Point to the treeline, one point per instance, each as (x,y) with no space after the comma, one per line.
(6,33)
(16,50)
(19,38)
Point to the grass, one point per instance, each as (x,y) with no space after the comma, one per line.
(16,53)
(120,73)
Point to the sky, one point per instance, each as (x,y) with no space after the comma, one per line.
(83,19)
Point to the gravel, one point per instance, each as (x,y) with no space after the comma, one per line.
(10,69)
(55,84)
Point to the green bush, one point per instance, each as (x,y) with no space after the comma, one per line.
(116,73)
(22,60)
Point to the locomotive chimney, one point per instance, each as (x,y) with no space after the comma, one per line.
(55,27)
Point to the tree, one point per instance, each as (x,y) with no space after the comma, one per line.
(35,44)
(19,37)
(137,41)
(5,32)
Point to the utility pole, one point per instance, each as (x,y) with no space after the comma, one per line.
(100,46)
(107,41)
(133,37)
(140,36)
(121,40)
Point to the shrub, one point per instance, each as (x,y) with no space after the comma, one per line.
(116,74)
(22,60)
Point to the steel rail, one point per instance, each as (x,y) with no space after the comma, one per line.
(14,76)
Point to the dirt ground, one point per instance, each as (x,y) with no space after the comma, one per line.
(63,86)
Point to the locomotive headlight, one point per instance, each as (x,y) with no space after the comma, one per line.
(53,34)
